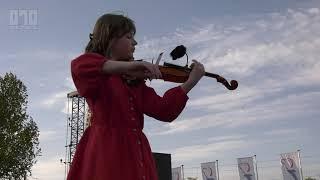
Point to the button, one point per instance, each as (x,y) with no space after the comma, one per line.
(130,98)
(134,129)
(131,108)
(133,119)
(141,164)
(139,142)
(143,177)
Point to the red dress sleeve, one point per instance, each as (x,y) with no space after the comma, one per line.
(166,108)
(87,73)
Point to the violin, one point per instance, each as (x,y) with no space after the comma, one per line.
(180,74)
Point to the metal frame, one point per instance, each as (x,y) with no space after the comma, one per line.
(76,121)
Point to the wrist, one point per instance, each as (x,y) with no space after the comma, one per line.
(188,85)
(135,65)
(192,81)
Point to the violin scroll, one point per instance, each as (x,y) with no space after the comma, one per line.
(233,83)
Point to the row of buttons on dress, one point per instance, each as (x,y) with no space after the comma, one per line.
(132,118)
(131,106)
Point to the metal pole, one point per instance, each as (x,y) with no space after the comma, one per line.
(217,169)
(182,172)
(300,166)
(66,156)
(255,160)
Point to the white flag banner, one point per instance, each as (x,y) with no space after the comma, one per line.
(290,166)
(176,173)
(246,168)
(209,171)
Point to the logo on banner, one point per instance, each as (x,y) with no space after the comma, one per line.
(290,166)
(246,170)
(208,173)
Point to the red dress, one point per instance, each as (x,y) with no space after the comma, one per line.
(114,147)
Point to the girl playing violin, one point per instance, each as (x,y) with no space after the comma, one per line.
(114,145)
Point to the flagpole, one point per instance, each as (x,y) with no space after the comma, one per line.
(217,169)
(182,172)
(299,157)
(255,160)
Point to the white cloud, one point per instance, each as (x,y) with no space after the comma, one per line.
(60,97)
(227,100)
(55,99)
(49,168)
(227,138)
(277,132)
(314,11)
(69,83)
(196,152)
(67,107)
(267,112)
(46,135)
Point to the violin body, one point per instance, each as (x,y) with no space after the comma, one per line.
(173,75)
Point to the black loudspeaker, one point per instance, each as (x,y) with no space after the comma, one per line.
(163,163)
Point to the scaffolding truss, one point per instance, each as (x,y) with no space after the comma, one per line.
(76,124)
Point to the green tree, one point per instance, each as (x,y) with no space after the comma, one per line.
(310,178)
(19,134)
(192,178)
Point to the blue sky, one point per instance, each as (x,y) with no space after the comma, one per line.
(270,47)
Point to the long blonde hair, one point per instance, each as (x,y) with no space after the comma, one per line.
(108,27)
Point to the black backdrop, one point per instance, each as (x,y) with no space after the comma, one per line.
(163,163)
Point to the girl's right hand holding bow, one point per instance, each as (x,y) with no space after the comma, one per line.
(144,70)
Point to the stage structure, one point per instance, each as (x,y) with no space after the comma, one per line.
(77,121)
